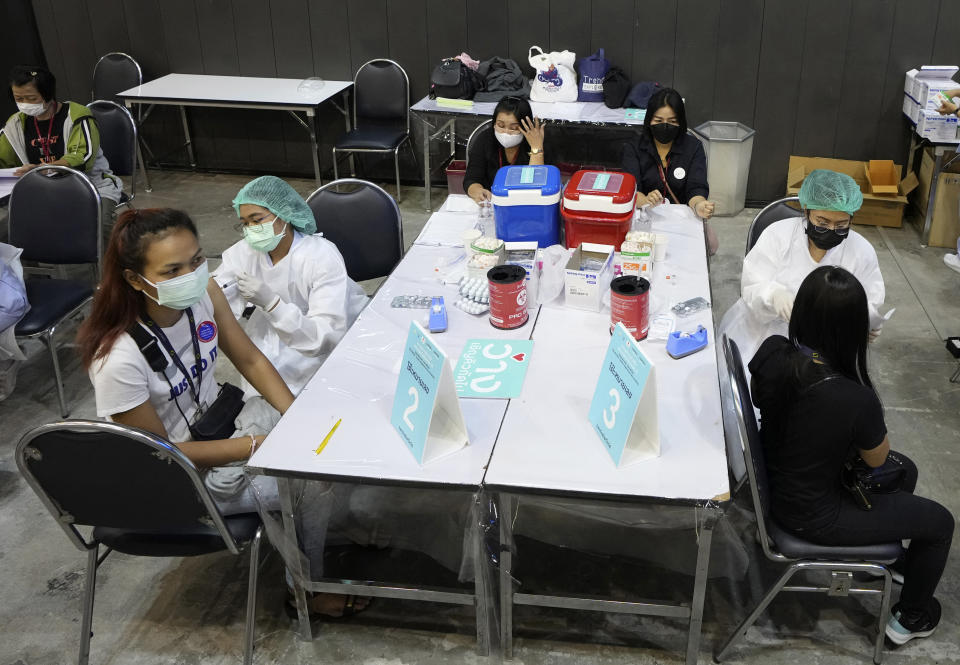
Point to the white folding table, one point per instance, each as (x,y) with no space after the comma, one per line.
(594,113)
(357,384)
(243,92)
(547,446)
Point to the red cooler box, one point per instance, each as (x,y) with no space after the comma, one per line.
(598,207)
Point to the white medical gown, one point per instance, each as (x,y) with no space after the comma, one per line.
(781,258)
(319,303)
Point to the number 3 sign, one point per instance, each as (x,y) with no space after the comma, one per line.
(426,412)
(624,407)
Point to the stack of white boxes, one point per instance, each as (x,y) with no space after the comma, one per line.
(922,89)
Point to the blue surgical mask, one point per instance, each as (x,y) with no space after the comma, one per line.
(261,236)
(183,291)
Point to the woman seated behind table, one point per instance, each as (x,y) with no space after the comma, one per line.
(669,164)
(788,250)
(304,301)
(45,131)
(820,410)
(516,140)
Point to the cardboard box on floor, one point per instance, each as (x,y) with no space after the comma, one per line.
(877,209)
(945,224)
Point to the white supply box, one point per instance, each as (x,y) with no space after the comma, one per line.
(527,256)
(584,286)
(930,90)
(911,108)
(939,72)
(938,128)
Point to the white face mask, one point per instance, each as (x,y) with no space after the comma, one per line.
(32,110)
(508,140)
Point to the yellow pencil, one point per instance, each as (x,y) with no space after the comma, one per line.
(326,439)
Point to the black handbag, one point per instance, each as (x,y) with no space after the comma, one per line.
(217,422)
(616,87)
(454,80)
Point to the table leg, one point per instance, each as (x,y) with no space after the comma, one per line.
(505,506)
(480,587)
(285,486)
(186,134)
(911,154)
(426,168)
(314,148)
(705,522)
(937,167)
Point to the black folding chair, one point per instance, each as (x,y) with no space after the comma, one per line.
(118,140)
(484,126)
(114,73)
(778,545)
(54,216)
(774,212)
(364,223)
(381,118)
(141,495)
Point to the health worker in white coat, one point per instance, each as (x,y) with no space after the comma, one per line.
(789,250)
(304,301)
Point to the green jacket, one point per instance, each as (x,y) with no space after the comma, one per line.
(82,148)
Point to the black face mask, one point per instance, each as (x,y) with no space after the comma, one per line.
(825,238)
(665,132)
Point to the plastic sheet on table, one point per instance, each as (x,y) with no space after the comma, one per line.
(328,531)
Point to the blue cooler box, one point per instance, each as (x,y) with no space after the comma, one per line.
(526,204)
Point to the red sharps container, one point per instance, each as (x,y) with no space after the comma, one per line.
(630,304)
(508,296)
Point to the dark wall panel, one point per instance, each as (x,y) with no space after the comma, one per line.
(817,77)
(735,89)
(487,29)
(867,49)
(608,29)
(654,41)
(696,65)
(778,79)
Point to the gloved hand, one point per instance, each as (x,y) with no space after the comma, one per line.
(783,303)
(254,291)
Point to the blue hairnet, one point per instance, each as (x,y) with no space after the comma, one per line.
(281,199)
(829,190)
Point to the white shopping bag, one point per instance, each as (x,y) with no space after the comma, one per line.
(555,79)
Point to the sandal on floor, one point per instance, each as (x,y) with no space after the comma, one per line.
(349,609)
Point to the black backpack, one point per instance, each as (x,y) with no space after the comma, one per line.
(454,80)
(616,87)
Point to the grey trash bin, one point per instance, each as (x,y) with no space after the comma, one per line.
(728,146)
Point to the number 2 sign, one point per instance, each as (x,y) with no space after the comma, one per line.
(624,407)
(426,412)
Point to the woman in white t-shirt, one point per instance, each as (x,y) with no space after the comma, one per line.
(155,275)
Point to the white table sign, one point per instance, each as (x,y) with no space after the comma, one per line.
(624,407)
(426,411)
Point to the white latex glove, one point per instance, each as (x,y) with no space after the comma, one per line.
(783,304)
(254,291)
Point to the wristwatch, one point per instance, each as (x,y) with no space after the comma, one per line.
(535,151)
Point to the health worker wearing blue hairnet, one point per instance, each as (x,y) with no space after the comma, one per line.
(304,301)
(789,250)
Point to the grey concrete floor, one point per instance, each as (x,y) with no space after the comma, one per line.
(190,611)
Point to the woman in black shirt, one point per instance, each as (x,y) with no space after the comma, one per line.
(820,411)
(668,163)
(516,140)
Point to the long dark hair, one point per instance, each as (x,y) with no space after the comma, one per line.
(659,99)
(116,304)
(830,316)
(520,108)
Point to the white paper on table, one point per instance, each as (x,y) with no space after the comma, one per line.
(9,173)
(6,186)
(461,203)
(446,230)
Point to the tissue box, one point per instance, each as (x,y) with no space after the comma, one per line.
(527,256)
(584,286)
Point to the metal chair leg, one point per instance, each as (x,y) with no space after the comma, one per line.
(335,176)
(86,623)
(252,578)
(48,340)
(396,169)
(757,611)
(956,375)
(882,621)
(506,581)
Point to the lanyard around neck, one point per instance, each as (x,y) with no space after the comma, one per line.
(160,335)
(45,144)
